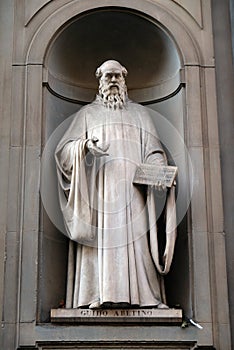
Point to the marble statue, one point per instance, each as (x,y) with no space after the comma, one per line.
(113,253)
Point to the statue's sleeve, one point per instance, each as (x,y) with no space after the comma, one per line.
(154,154)
(73,189)
(153,150)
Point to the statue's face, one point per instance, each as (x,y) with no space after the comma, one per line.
(112,88)
(113,80)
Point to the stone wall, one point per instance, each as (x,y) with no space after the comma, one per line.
(225,103)
(28,31)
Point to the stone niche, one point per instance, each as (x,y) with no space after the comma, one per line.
(146,49)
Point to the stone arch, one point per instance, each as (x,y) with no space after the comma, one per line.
(51,26)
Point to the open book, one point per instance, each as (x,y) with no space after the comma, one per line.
(150,174)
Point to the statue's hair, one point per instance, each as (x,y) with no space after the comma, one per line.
(110,63)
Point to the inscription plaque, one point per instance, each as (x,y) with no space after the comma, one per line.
(148,316)
(149,174)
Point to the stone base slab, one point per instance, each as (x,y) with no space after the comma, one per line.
(129,316)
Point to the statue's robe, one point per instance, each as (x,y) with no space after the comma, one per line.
(113,252)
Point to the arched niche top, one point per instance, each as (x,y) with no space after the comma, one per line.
(45,28)
(139,43)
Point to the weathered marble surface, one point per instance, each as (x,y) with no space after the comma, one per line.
(113,222)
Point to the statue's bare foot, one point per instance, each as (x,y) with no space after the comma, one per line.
(95,305)
(162,306)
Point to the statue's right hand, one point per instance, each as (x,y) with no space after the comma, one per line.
(95,150)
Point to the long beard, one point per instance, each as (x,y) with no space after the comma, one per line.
(113,100)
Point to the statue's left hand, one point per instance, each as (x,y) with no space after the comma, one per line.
(160,186)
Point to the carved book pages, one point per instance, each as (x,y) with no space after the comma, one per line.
(149,174)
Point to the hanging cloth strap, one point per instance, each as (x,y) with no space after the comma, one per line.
(170,231)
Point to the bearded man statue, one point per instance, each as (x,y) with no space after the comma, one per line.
(113,258)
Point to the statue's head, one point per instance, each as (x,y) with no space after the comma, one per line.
(112,87)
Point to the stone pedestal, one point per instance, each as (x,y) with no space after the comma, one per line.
(113,316)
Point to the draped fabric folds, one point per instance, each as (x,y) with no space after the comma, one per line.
(111,223)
